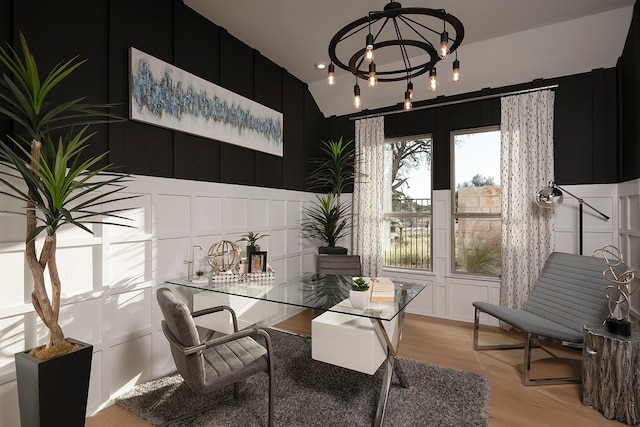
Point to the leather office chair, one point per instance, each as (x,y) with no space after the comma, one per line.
(348,265)
(208,365)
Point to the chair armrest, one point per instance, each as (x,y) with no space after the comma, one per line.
(217,309)
(217,341)
(253,332)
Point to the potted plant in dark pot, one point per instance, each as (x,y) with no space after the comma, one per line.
(251,238)
(42,166)
(328,218)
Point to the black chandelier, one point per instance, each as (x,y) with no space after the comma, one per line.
(396,35)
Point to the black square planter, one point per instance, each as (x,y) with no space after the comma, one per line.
(54,392)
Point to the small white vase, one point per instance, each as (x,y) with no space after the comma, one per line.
(359,299)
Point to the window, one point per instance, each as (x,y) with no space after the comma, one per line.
(476,201)
(407,203)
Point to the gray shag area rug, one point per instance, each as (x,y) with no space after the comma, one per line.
(311,393)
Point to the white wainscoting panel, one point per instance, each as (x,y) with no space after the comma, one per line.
(207,214)
(173,213)
(115,308)
(129,364)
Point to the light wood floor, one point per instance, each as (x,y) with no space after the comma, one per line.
(449,343)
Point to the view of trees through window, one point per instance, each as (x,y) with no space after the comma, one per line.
(476,202)
(407,204)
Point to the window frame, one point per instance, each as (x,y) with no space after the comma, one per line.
(456,215)
(422,215)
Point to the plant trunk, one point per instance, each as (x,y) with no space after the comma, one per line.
(47,310)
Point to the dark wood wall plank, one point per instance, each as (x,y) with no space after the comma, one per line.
(268,92)
(196,49)
(57,39)
(140,148)
(629,104)
(292,101)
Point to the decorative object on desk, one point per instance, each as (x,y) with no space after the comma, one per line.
(256,276)
(243,267)
(360,293)
(164,95)
(328,219)
(622,278)
(382,289)
(224,256)
(196,266)
(551,196)
(251,238)
(59,183)
(257,262)
(330,395)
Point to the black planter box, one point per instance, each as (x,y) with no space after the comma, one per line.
(337,250)
(54,392)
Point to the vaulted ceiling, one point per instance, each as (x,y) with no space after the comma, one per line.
(506,41)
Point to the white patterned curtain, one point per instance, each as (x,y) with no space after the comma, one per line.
(368,194)
(527,166)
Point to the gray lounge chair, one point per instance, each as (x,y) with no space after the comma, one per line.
(568,296)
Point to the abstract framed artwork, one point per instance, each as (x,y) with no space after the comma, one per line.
(164,95)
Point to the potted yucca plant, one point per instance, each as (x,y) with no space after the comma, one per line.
(328,218)
(42,166)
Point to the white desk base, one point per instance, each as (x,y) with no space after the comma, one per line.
(350,341)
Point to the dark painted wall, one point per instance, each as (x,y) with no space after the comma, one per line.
(585,131)
(102,31)
(629,105)
(596,126)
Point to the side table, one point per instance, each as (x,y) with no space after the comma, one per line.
(610,381)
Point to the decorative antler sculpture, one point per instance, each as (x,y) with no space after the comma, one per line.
(619,292)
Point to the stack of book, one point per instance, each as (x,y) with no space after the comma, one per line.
(382,289)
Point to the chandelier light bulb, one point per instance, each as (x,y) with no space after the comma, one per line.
(369,54)
(407,101)
(373,80)
(410,89)
(456,71)
(444,45)
(433,79)
(331,75)
(357,102)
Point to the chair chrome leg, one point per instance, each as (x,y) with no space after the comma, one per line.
(476,326)
(526,374)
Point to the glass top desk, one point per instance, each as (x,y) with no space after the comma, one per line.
(327,292)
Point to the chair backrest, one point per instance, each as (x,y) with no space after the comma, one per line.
(349,265)
(179,323)
(570,291)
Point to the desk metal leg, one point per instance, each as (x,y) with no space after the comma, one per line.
(392,364)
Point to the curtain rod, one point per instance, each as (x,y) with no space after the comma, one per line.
(459,101)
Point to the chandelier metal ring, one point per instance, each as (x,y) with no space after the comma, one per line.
(395,75)
(399,17)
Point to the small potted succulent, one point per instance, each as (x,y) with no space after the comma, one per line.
(360,293)
(251,238)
